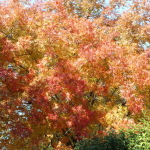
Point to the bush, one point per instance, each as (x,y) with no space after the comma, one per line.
(137,138)
(110,142)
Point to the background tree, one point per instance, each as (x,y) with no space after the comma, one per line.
(65,66)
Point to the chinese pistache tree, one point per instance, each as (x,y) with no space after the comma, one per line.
(71,69)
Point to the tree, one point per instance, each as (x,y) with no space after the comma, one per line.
(65,65)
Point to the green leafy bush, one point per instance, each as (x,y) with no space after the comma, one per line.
(110,142)
(137,138)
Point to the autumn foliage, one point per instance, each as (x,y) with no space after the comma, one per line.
(71,69)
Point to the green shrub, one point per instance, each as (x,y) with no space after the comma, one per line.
(91,144)
(137,138)
(112,141)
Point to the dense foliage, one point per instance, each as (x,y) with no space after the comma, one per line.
(71,69)
(135,138)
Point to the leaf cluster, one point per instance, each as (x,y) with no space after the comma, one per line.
(135,138)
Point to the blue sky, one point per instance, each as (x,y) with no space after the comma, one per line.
(107,1)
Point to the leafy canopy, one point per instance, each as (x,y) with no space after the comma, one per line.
(71,69)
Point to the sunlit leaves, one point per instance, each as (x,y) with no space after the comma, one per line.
(69,67)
